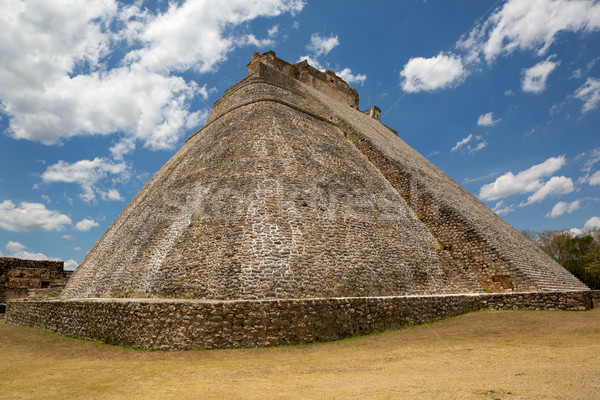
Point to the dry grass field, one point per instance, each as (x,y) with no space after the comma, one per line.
(482,355)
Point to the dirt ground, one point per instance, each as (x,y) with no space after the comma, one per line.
(482,355)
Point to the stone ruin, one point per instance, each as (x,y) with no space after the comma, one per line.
(290,217)
(21,278)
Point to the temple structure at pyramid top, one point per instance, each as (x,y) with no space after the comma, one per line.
(289,191)
(292,216)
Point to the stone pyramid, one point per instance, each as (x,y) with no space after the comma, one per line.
(290,192)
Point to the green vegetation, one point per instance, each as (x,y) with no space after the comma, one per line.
(481,355)
(578,254)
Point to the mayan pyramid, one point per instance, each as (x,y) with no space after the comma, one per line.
(290,192)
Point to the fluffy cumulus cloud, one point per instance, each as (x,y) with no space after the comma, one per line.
(471,144)
(321,45)
(347,75)
(86,224)
(591,224)
(555,186)
(594,179)
(563,207)
(55,82)
(487,119)
(71,265)
(194,34)
(429,74)
(87,174)
(530,25)
(17,250)
(534,78)
(30,217)
(589,93)
(526,181)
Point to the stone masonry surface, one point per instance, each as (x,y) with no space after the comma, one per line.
(289,191)
(186,324)
(19,277)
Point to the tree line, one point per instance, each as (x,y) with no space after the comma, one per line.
(579,254)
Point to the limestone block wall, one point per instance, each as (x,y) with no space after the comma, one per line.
(326,82)
(596,298)
(19,276)
(181,324)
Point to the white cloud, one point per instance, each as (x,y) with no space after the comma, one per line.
(529,25)
(578,73)
(594,179)
(468,144)
(347,75)
(487,119)
(479,146)
(462,143)
(273,31)
(320,45)
(86,224)
(589,93)
(592,223)
(30,217)
(17,250)
(14,247)
(251,40)
(86,173)
(71,265)
(555,186)
(592,157)
(112,194)
(195,34)
(534,78)
(563,207)
(429,74)
(525,181)
(54,80)
(575,231)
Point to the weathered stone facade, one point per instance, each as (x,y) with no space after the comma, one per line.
(292,206)
(186,324)
(596,298)
(289,191)
(19,277)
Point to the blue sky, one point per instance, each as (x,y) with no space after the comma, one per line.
(503,96)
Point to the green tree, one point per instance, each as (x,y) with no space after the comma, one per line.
(580,255)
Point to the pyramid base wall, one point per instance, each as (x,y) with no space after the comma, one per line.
(167,324)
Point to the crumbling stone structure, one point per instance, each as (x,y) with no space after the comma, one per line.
(19,277)
(290,192)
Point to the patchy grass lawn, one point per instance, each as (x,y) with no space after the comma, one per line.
(482,355)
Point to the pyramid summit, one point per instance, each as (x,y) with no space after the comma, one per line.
(291,203)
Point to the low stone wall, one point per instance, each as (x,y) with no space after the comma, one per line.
(185,324)
(596,298)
